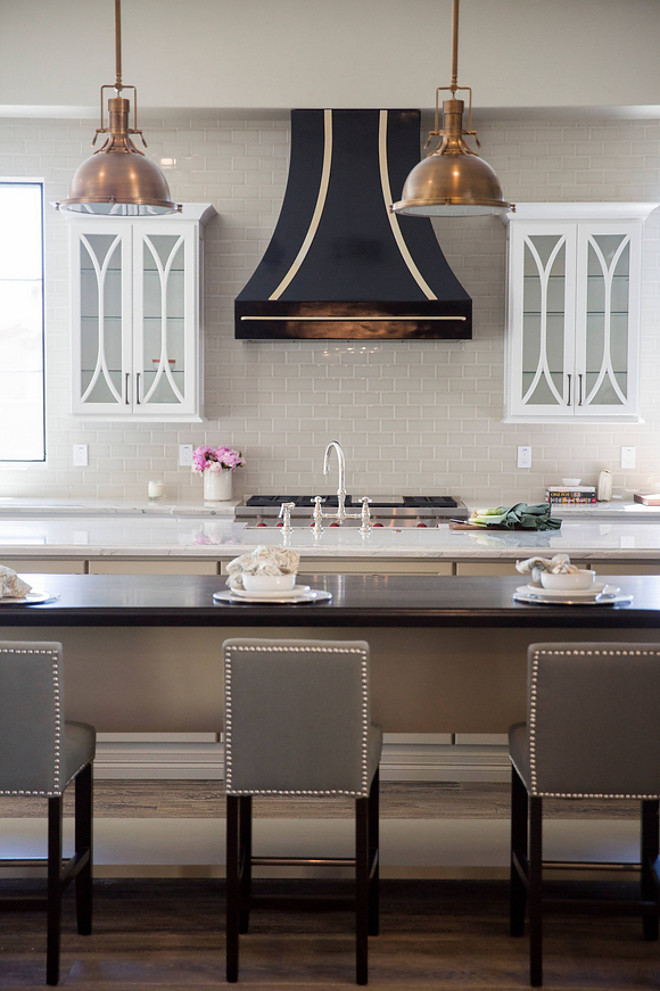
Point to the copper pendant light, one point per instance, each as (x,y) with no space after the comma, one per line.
(452,180)
(118,180)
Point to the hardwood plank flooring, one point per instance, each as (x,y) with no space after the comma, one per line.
(399,800)
(439,935)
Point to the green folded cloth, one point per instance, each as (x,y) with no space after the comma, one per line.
(522,515)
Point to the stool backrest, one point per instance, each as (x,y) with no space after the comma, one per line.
(296,716)
(31,718)
(594,720)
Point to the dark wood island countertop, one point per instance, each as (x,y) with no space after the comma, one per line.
(357,601)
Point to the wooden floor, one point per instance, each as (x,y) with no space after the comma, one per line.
(399,800)
(442,935)
(168,934)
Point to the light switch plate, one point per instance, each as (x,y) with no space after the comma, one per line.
(524,457)
(627,457)
(185,455)
(80,455)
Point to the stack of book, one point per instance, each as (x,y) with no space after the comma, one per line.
(572,495)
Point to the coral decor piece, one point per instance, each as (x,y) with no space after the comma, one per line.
(216,459)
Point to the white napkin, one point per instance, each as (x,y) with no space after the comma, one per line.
(11,585)
(263,560)
(560,564)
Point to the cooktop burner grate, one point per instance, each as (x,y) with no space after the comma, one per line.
(377,502)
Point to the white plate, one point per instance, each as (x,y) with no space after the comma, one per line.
(280,593)
(28,600)
(605,599)
(537,596)
(598,588)
(311,595)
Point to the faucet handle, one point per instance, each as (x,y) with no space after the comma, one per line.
(285,512)
(317,514)
(366,513)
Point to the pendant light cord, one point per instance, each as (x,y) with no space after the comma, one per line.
(454,49)
(118,82)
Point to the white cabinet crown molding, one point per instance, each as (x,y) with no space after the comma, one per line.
(579,211)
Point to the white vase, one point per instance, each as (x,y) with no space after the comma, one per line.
(217,485)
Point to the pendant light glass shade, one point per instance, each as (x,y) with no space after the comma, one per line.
(118,180)
(452,180)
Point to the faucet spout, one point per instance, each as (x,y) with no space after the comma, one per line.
(341,490)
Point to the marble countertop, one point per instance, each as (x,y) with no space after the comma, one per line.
(166,536)
(18,507)
(53,508)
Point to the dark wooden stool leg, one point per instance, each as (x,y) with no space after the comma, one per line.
(649,864)
(535,892)
(374,856)
(361,890)
(233,888)
(54,890)
(83,846)
(245,859)
(519,864)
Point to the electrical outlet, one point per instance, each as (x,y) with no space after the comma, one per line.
(185,455)
(627,457)
(524,457)
(80,455)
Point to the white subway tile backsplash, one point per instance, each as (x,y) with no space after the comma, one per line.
(417,416)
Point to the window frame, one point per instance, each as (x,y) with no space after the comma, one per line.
(40,183)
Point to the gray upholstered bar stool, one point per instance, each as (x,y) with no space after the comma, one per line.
(592,732)
(40,754)
(297,724)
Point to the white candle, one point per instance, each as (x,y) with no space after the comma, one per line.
(155,490)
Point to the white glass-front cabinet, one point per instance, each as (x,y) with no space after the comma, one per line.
(573,311)
(137,309)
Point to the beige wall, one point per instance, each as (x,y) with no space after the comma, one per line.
(285,53)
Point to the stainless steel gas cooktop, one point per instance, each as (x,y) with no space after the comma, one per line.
(402,510)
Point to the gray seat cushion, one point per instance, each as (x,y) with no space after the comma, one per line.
(519,750)
(79,748)
(374,748)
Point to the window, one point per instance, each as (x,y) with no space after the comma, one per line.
(22,435)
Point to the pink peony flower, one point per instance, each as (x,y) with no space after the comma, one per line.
(207,458)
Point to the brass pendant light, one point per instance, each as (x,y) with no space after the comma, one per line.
(118,180)
(452,180)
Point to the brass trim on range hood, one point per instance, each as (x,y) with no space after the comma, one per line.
(347,318)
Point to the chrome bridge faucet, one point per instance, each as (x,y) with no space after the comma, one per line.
(341,514)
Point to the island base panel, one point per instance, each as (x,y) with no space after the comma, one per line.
(150,679)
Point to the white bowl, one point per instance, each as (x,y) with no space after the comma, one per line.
(570,582)
(570,481)
(268,583)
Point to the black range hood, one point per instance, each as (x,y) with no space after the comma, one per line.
(340,264)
